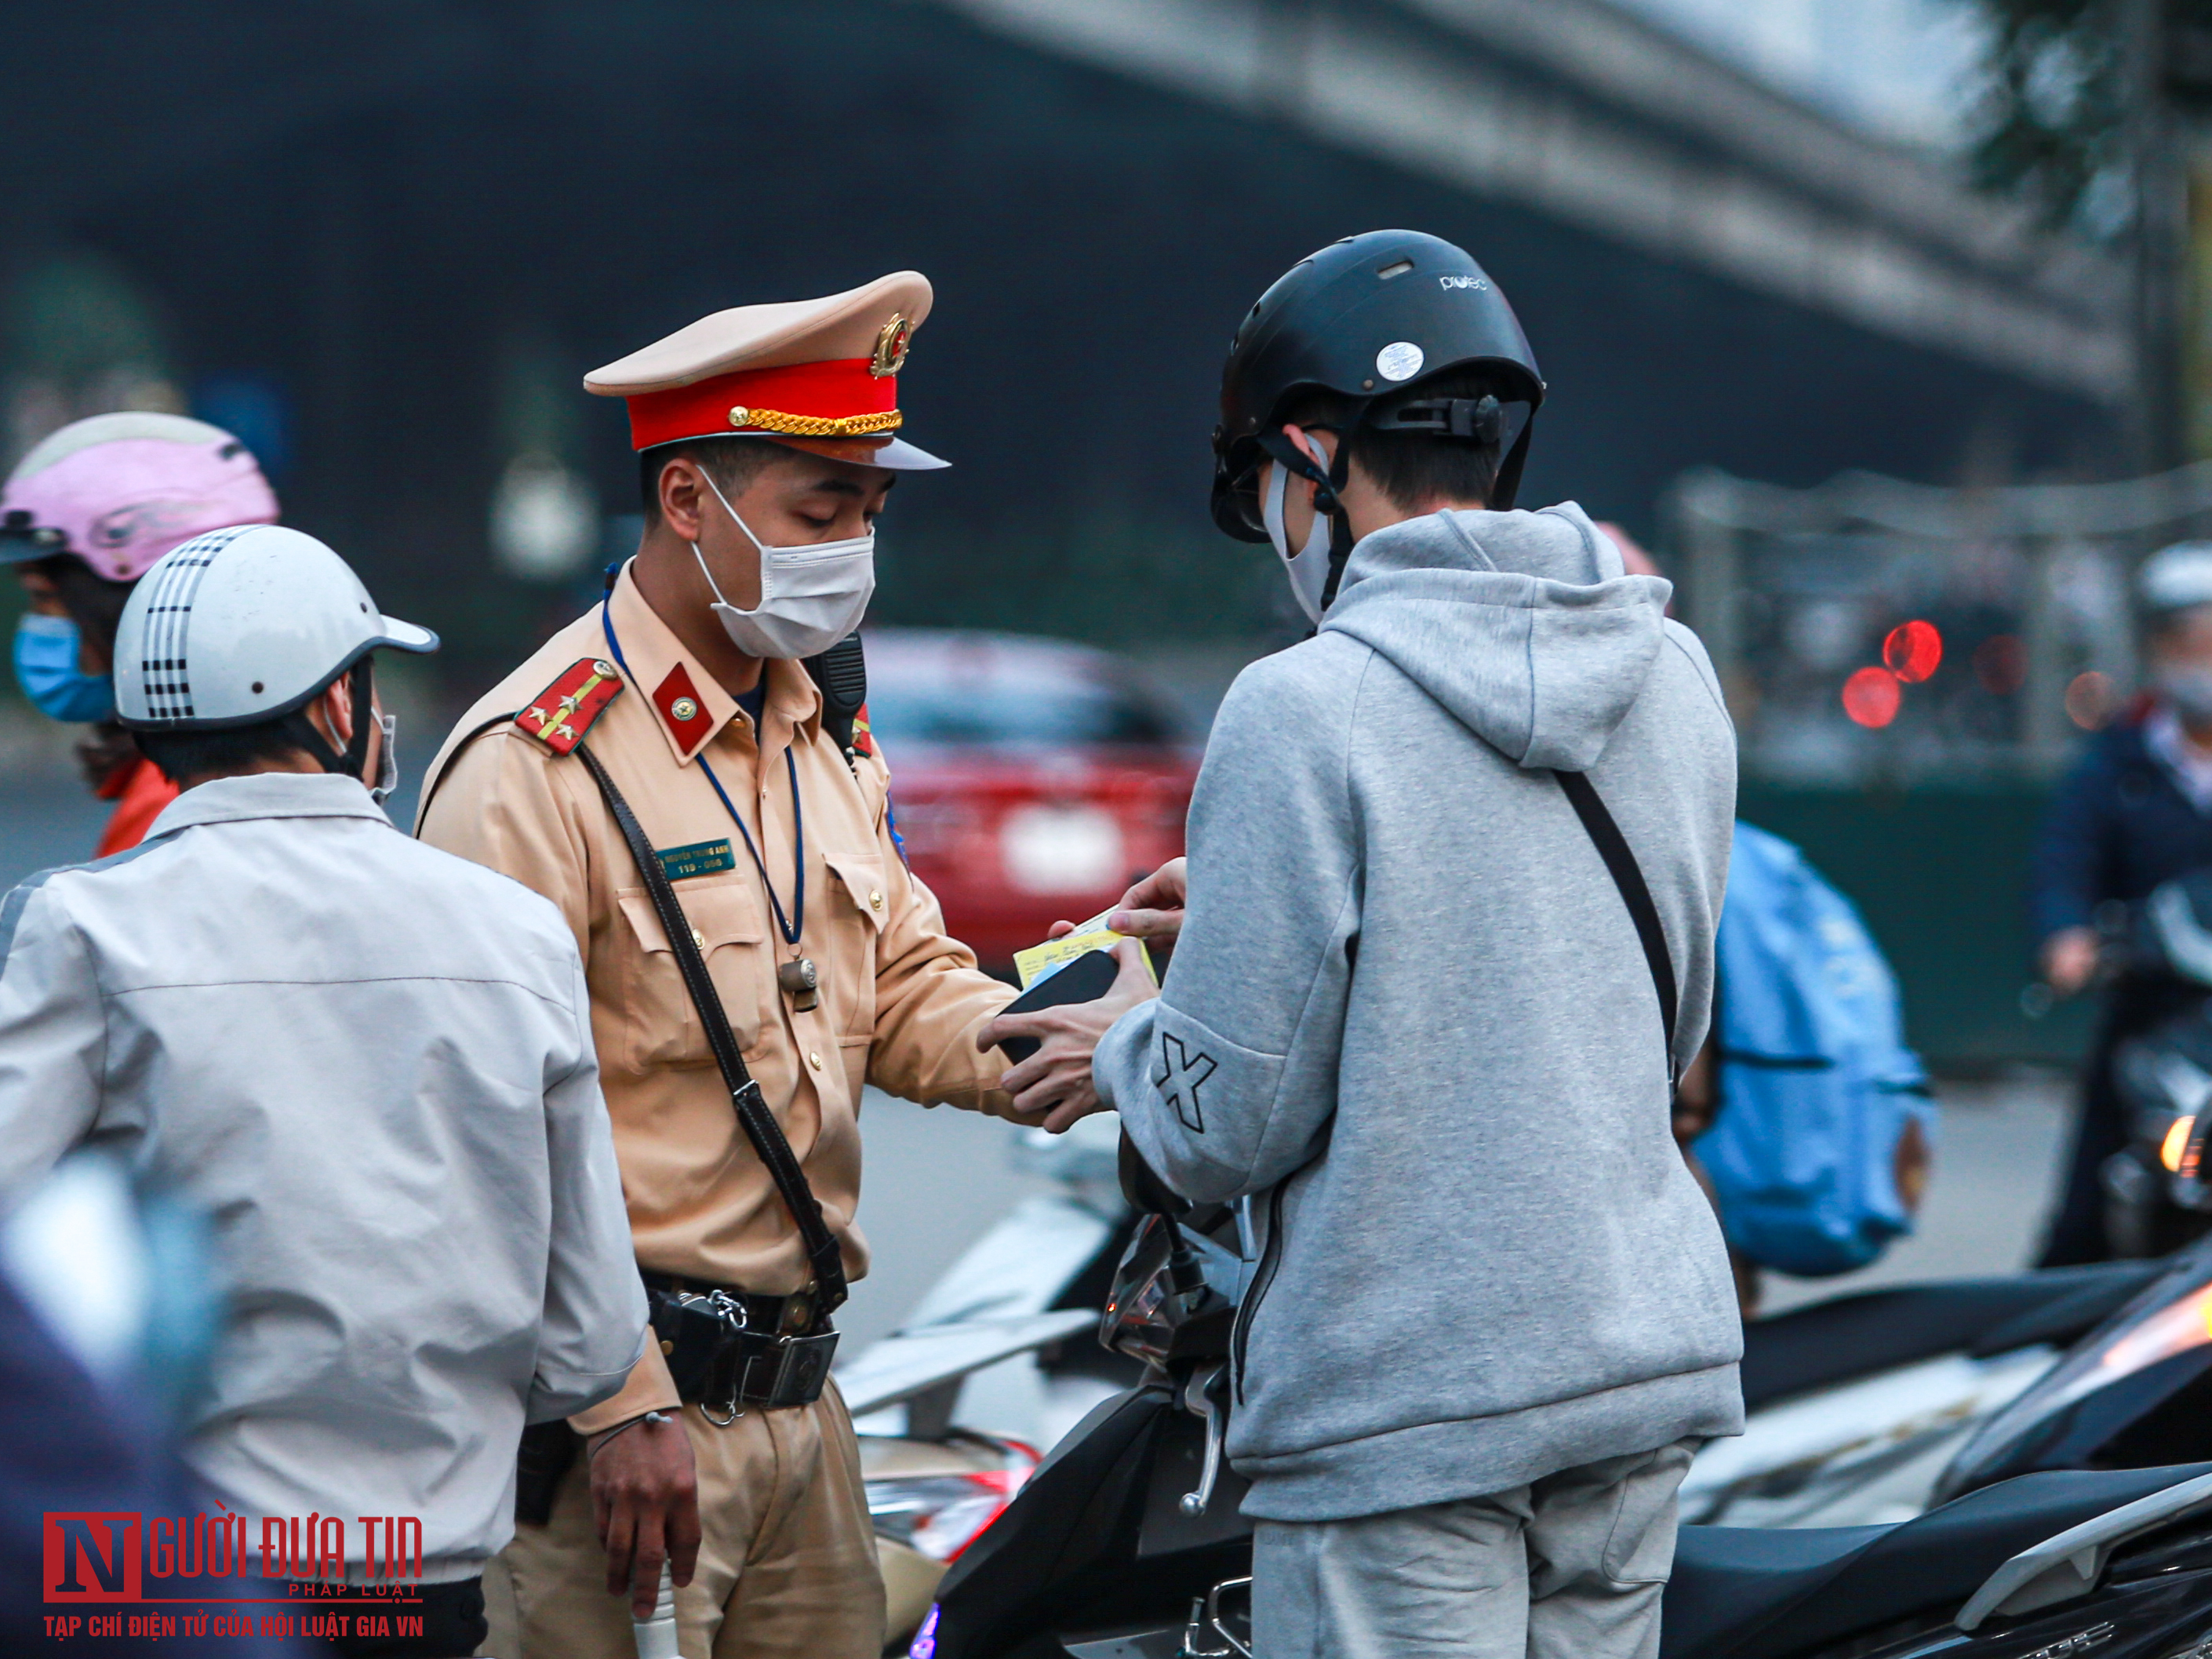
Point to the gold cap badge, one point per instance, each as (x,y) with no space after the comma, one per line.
(891,343)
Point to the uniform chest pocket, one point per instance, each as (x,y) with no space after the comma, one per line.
(661,1027)
(860,906)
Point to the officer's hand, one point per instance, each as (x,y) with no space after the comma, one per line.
(645,1498)
(1055,1084)
(2069,959)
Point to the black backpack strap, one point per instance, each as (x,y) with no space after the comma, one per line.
(823,1255)
(1628,875)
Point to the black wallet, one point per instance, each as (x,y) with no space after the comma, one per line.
(1086,979)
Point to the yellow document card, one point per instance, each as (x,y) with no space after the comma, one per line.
(1040,962)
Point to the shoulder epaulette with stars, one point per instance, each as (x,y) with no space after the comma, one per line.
(559,716)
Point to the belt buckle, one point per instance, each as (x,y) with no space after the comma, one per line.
(779,1371)
(756,1367)
(805,1367)
(729,1369)
(802,1365)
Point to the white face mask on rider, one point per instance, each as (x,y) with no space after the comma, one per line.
(387,768)
(811,597)
(1308,568)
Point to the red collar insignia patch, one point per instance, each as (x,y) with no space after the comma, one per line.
(681,709)
(559,716)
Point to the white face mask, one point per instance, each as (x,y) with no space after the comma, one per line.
(811,597)
(387,767)
(1308,568)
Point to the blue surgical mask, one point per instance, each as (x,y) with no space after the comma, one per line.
(47,650)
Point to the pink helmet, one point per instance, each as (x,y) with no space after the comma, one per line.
(120,490)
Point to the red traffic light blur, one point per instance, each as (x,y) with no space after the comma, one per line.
(1913,651)
(1872,696)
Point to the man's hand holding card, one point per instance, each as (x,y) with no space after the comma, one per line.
(1052,1039)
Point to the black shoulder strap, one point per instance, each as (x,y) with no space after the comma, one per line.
(437,780)
(823,1255)
(1628,875)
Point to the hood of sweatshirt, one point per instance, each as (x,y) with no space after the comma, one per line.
(1523,625)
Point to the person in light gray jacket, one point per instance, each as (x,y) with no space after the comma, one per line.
(1410,1017)
(369,1062)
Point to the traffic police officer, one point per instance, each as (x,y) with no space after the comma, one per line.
(768,441)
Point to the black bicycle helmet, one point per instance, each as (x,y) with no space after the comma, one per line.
(1369,318)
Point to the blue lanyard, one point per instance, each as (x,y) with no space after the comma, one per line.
(796,925)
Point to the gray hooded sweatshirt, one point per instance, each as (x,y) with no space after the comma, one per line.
(1410,1008)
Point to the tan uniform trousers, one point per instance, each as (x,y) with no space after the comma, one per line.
(786,1559)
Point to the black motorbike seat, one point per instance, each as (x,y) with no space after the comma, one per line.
(1856,1336)
(1766,1593)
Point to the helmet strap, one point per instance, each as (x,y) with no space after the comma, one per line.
(353,761)
(1507,484)
(1284,453)
(1480,419)
(1328,494)
(1340,541)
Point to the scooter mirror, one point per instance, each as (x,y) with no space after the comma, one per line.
(1173,1296)
(1141,1314)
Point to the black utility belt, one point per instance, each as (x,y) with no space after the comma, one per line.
(727,1349)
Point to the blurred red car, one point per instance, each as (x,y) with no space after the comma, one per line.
(1031,780)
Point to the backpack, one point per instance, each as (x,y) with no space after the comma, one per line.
(1816,1085)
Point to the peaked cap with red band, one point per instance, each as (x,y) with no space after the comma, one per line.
(818,375)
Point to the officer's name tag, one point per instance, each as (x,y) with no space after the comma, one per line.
(701,858)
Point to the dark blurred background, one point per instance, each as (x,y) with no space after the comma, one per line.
(1782,239)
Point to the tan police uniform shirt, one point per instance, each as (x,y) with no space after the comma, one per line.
(900,1001)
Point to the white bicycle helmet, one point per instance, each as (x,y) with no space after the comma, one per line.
(2176,578)
(250,625)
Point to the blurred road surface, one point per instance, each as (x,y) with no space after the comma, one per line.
(934,1182)
(47,818)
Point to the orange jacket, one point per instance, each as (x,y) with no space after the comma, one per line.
(139,792)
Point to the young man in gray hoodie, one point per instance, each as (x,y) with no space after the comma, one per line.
(1412,1016)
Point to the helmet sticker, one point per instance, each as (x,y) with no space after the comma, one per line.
(125,525)
(1399,360)
(163,665)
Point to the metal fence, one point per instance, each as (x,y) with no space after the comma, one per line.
(1869,631)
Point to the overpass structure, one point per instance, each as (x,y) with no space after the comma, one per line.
(403,229)
(1593,116)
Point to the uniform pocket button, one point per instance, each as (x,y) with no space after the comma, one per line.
(698,938)
(875,901)
(814,1059)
